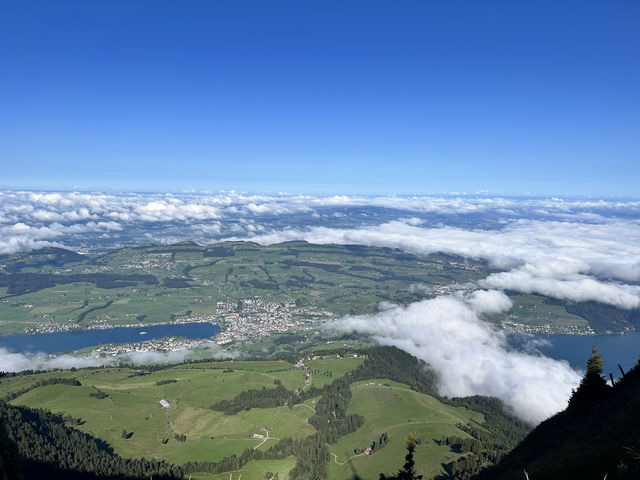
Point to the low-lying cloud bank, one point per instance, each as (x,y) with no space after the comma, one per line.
(96,220)
(468,354)
(17,362)
(572,249)
(65,207)
(566,260)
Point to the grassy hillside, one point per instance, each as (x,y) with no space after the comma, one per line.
(122,407)
(133,404)
(394,408)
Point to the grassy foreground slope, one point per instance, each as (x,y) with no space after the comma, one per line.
(393,408)
(132,404)
(122,407)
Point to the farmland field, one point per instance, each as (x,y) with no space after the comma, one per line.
(155,284)
(53,289)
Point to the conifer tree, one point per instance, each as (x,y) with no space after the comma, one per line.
(593,387)
(407,472)
(595,363)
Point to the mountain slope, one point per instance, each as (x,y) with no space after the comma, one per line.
(597,435)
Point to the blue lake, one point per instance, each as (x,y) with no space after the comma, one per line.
(576,349)
(70,341)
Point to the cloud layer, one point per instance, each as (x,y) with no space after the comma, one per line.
(468,354)
(101,221)
(573,249)
(17,362)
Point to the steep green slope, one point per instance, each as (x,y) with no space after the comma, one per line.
(49,448)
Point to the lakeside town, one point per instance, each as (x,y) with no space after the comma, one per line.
(251,318)
(514,327)
(245,320)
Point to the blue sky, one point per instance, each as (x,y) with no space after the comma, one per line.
(322,97)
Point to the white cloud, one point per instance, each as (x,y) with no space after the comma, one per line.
(468,354)
(213,228)
(16,362)
(22,237)
(574,287)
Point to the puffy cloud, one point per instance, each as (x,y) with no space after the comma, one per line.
(75,206)
(174,210)
(468,354)
(213,228)
(22,237)
(24,244)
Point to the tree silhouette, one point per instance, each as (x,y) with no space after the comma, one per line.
(407,472)
(593,387)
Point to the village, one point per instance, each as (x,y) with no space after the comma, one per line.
(240,321)
(165,344)
(255,317)
(514,327)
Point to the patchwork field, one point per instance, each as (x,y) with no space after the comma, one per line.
(161,283)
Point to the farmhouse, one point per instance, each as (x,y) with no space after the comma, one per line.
(164,403)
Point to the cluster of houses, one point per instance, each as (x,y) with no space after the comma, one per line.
(265,429)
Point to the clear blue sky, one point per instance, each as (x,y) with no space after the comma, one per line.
(322,97)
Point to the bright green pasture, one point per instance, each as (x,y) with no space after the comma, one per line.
(269,371)
(133,405)
(394,408)
(337,367)
(333,344)
(254,470)
(13,384)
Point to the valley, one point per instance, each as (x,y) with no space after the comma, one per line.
(251,290)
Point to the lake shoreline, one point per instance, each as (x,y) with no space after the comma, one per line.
(72,341)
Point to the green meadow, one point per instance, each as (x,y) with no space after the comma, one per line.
(133,404)
(399,411)
(132,420)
